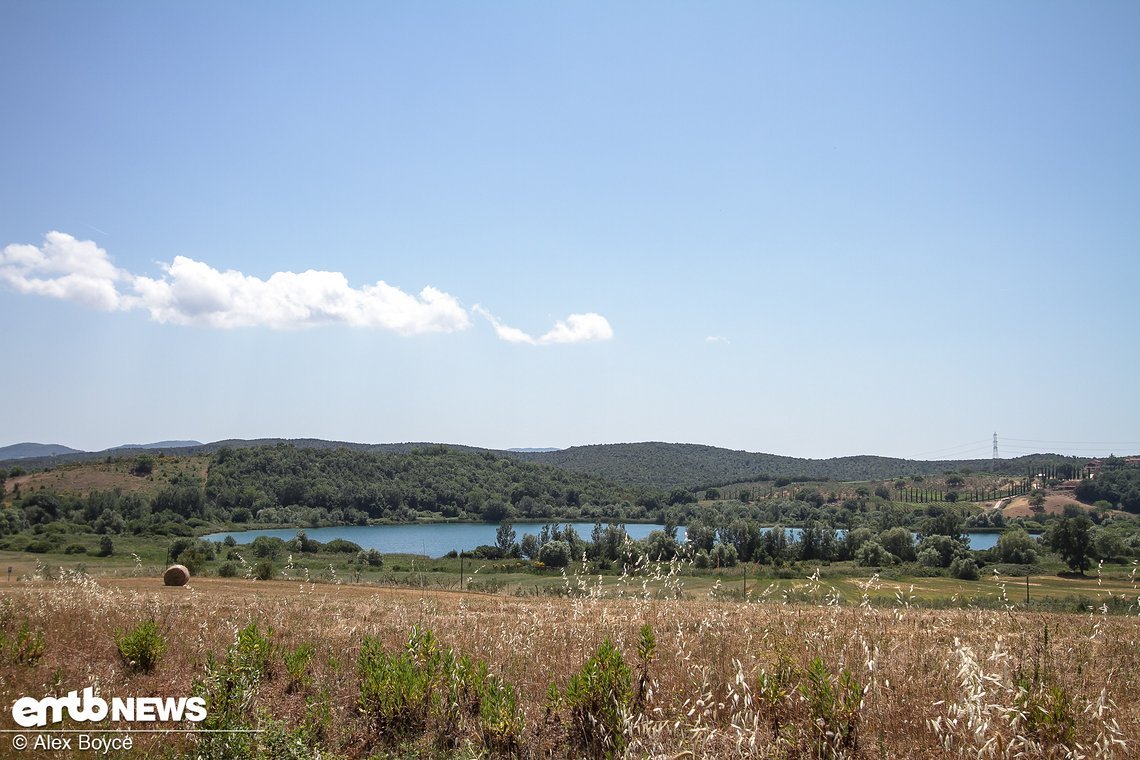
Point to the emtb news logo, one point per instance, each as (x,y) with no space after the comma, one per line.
(30,712)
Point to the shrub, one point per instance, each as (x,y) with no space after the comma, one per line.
(554,554)
(228,688)
(833,703)
(426,689)
(964,568)
(598,697)
(395,689)
(723,555)
(872,554)
(26,648)
(267,547)
(263,570)
(75,549)
(1016,547)
(228,570)
(340,546)
(296,665)
(141,647)
(372,558)
(106,547)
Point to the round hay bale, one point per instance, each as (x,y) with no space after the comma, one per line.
(176,575)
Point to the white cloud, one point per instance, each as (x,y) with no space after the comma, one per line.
(65,268)
(191,292)
(718,339)
(577,328)
(194,293)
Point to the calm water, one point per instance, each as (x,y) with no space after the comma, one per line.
(431,540)
(437,540)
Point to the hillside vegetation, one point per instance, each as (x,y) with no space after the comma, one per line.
(351,486)
(653,465)
(686,465)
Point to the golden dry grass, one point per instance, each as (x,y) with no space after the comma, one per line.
(935,683)
(84,477)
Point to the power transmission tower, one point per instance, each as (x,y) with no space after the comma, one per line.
(993,465)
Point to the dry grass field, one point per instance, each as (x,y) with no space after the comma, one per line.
(320,675)
(113,475)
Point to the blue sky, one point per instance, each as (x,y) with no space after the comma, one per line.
(801,228)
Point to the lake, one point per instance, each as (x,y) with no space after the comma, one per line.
(437,539)
(430,539)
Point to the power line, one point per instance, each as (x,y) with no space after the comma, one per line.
(1078,443)
(950,448)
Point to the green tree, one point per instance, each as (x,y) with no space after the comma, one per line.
(1071,537)
(872,554)
(555,554)
(529,546)
(1017,547)
(505,537)
(724,555)
(1109,544)
(899,542)
(496,510)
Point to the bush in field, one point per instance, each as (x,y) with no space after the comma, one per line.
(263,570)
(833,703)
(555,554)
(267,547)
(426,688)
(228,570)
(297,664)
(229,687)
(341,546)
(372,558)
(964,569)
(26,648)
(598,698)
(141,647)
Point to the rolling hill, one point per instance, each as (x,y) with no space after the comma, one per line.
(693,466)
(650,464)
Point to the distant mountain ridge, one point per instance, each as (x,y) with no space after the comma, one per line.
(29,450)
(158,445)
(653,464)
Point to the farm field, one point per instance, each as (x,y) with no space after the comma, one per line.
(721,679)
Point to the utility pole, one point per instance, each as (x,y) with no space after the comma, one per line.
(993,465)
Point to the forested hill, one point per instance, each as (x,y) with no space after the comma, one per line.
(687,465)
(343,485)
(651,465)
